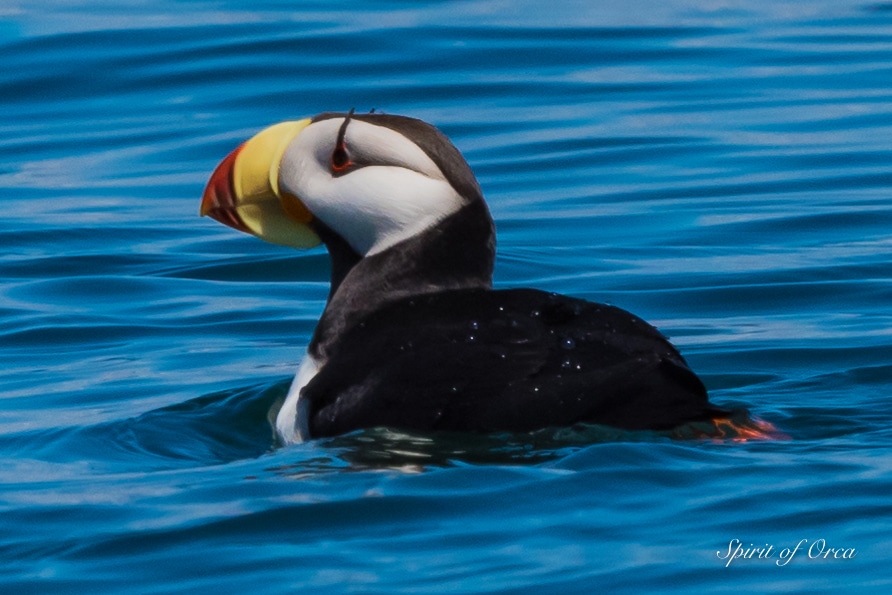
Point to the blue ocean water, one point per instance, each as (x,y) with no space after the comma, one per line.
(724,170)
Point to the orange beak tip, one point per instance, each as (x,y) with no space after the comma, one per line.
(219,201)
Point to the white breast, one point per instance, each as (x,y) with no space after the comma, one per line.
(292,423)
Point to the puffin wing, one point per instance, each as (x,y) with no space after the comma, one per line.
(418,363)
(513,360)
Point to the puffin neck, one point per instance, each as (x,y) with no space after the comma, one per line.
(343,257)
(457,253)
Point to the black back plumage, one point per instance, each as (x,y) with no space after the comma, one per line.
(510,360)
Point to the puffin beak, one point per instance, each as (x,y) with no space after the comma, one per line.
(244,192)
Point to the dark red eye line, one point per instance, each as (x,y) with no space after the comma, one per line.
(340,159)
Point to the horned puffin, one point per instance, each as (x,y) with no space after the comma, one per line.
(413,336)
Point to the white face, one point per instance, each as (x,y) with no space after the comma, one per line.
(395,192)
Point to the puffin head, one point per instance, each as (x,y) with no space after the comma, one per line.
(370,181)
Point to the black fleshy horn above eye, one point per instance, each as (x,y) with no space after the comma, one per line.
(343,129)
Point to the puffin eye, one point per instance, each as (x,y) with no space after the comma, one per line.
(340,161)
